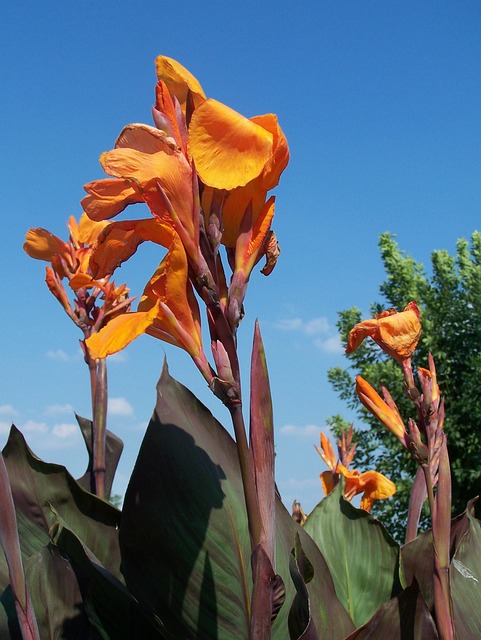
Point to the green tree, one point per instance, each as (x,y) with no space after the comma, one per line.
(450,303)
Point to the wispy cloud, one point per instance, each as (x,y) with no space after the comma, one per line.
(65,430)
(55,409)
(5,427)
(325,337)
(59,354)
(312,327)
(120,356)
(120,407)
(31,426)
(306,432)
(8,410)
(330,345)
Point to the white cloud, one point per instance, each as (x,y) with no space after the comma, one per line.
(120,356)
(8,410)
(330,345)
(5,427)
(55,409)
(65,430)
(120,407)
(311,327)
(307,432)
(34,427)
(58,355)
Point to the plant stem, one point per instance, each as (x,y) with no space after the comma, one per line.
(250,493)
(99,427)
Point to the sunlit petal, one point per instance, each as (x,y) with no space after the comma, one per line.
(179,80)
(228,149)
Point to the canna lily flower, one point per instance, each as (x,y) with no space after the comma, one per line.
(68,259)
(373,485)
(396,333)
(384,411)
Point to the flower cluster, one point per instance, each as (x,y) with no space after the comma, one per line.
(204,171)
(372,485)
(71,261)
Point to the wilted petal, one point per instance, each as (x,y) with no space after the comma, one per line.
(228,149)
(396,333)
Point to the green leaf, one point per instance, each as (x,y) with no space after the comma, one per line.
(184,537)
(110,608)
(362,557)
(405,617)
(465,578)
(37,484)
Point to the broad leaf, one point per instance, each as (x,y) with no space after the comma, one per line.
(37,484)
(362,557)
(405,617)
(113,451)
(465,579)
(184,537)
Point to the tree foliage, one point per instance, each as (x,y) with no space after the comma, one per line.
(449,299)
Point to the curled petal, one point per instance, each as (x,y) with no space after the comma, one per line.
(120,240)
(228,149)
(145,138)
(178,80)
(380,409)
(327,481)
(396,333)
(326,452)
(108,197)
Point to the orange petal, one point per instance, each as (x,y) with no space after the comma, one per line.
(145,138)
(401,331)
(120,240)
(228,149)
(396,333)
(119,332)
(171,170)
(179,80)
(108,197)
(280,154)
(88,230)
(380,409)
(327,480)
(43,245)
(170,285)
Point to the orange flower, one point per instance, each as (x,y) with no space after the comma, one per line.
(237,159)
(68,259)
(372,484)
(396,333)
(386,413)
(253,192)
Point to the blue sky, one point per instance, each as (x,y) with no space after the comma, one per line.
(381,104)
